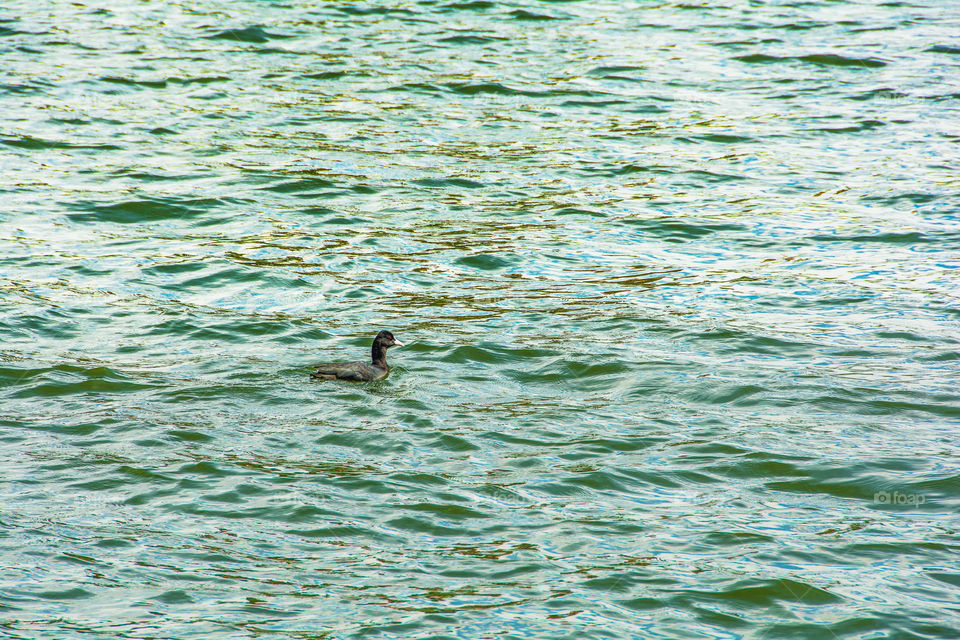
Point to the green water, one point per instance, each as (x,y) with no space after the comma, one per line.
(678,283)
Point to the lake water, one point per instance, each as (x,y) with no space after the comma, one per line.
(679,283)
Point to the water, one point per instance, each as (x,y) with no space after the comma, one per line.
(679,283)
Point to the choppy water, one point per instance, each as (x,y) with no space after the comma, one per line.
(680,279)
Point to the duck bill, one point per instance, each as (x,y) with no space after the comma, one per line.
(397,343)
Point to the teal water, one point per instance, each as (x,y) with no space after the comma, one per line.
(678,282)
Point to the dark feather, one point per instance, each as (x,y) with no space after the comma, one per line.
(361,371)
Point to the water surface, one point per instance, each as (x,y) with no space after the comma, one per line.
(679,284)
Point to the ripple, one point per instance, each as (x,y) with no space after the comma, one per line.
(64,380)
(33,143)
(819,59)
(252,34)
(143,210)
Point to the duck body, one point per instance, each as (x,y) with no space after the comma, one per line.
(360,371)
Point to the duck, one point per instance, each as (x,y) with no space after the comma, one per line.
(360,371)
